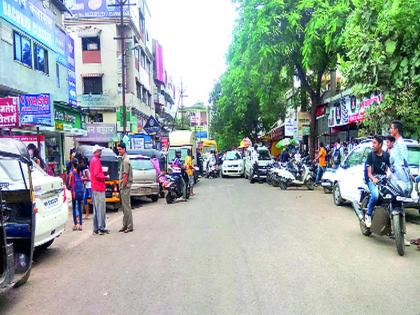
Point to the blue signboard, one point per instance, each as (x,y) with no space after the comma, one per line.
(201,134)
(35,110)
(60,46)
(71,71)
(32,18)
(152,126)
(95,8)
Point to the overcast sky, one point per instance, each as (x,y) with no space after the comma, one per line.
(195,36)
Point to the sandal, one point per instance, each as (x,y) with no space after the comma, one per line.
(74,227)
(80,228)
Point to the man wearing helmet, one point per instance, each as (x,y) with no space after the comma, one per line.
(178,169)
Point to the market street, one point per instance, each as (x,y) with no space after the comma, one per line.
(235,248)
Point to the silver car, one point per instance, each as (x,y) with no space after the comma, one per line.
(144,178)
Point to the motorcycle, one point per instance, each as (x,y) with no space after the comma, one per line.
(296,174)
(213,172)
(388,219)
(173,188)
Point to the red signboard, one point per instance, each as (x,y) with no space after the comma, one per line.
(9,116)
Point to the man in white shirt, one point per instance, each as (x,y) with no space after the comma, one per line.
(254,161)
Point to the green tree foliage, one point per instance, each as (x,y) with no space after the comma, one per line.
(275,41)
(383,42)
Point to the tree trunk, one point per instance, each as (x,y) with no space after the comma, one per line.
(315,101)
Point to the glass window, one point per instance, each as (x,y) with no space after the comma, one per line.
(414,156)
(41,58)
(57,74)
(92,85)
(264,155)
(22,49)
(356,157)
(91,43)
(141,164)
(233,156)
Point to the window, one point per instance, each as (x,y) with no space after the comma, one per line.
(148,63)
(138,90)
(41,58)
(22,49)
(91,43)
(144,95)
(92,85)
(57,74)
(356,157)
(141,164)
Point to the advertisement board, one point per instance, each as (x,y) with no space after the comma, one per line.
(71,70)
(99,133)
(36,110)
(289,127)
(30,142)
(32,18)
(9,116)
(304,124)
(95,8)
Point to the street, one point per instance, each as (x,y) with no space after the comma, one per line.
(235,248)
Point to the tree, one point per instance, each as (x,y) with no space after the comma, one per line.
(382,38)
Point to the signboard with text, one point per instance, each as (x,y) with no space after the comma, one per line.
(71,70)
(36,110)
(9,116)
(95,8)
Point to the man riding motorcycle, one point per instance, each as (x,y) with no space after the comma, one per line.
(178,170)
(254,162)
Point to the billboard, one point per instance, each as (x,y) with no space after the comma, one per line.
(95,8)
(71,70)
(9,116)
(36,110)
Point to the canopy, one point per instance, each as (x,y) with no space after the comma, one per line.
(286,142)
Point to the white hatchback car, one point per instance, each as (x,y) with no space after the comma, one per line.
(233,164)
(51,207)
(349,176)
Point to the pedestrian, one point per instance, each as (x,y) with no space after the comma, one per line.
(189,169)
(337,154)
(87,187)
(399,152)
(126,180)
(156,165)
(76,185)
(98,179)
(322,162)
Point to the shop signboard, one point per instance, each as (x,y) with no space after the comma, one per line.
(304,124)
(36,110)
(31,17)
(349,110)
(99,133)
(71,71)
(60,46)
(289,127)
(152,126)
(66,120)
(9,116)
(96,8)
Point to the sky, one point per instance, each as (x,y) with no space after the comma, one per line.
(195,36)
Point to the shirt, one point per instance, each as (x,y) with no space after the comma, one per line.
(399,152)
(378,163)
(97,175)
(254,156)
(189,165)
(156,165)
(125,168)
(177,165)
(322,157)
(86,174)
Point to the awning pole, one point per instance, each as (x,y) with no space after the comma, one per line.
(37,139)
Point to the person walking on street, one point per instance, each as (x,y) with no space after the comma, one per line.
(126,180)
(322,162)
(98,179)
(76,185)
(189,169)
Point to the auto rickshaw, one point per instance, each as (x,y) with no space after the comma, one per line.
(110,165)
(17,214)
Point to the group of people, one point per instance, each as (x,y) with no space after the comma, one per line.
(87,181)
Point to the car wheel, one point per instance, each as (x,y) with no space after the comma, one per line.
(154,198)
(338,200)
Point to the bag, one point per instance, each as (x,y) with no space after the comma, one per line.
(337,156)
(78,186)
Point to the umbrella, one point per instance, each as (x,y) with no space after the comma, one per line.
(286,142)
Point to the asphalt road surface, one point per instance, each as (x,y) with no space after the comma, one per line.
(235,248)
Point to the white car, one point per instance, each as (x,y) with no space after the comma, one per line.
(51,207)
(233,164)
(350,174)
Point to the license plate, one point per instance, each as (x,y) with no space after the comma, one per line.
(405,199)
(51,203)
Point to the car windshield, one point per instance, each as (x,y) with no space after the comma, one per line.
(232,156)
(264,155)
(414,156)
(141,164)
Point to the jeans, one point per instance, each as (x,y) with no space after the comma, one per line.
(321,170)
(77,210)
(256,171)
(98,200)
(374,196)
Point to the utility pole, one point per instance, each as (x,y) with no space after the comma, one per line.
(180,107)
(122,38)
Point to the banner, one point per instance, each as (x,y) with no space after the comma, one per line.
(71,70)
(304,124)
(9,116)
(289,127)
(36,110)
(95,8)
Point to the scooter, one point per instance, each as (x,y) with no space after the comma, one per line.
(213,172)
(172,185)
(296,174)
(388,218)
(161,180)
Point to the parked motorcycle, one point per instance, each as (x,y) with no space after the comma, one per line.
(296,174)
(388,219)
(213,172)
(162,179)
(172,186)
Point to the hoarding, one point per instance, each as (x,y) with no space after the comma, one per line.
(36,110)
(95,8)
(71,70)
(9,116)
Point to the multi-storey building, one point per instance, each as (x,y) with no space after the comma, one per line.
(37,65)
(97,33)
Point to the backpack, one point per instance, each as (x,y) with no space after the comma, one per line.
(78,186)
(337,156)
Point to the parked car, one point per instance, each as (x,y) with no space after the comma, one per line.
(51,207)
(347,179)
(264,162)
(145,182)
(233,164)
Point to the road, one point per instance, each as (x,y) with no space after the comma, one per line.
(235,248)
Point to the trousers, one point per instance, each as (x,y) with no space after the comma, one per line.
(374,196)
(98,200)
(126,208)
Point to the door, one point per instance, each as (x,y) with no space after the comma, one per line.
(351,174)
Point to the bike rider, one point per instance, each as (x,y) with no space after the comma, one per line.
(377,163)
(178,170)
(254,162)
